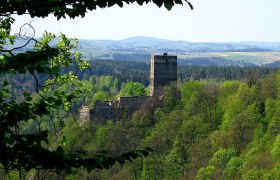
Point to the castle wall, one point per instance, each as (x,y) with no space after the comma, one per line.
(135,103)
(84,114)
(114,110)
(102,112)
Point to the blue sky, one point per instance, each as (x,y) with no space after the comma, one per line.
(210,21)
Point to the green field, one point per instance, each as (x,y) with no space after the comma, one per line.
(252,57)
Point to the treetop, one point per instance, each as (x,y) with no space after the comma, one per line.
(71,8)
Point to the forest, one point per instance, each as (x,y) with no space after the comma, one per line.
(224,125)
(108,77)
(218,129)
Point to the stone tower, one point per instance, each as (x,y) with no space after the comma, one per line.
(163,72)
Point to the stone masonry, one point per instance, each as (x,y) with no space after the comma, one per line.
(163,72)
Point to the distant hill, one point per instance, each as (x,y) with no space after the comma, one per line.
(154,44)
(140,48)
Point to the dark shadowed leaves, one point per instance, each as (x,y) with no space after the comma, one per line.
(71,8)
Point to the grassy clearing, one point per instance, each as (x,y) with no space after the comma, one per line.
(252,57)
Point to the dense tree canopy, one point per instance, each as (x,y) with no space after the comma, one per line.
(132,89)
(57,91)
(218,129)
(71,8)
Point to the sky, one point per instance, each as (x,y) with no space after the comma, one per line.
(210,21)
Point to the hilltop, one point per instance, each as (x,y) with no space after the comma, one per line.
(140,48)
(143,43)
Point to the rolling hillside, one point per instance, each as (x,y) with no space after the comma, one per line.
(140,48)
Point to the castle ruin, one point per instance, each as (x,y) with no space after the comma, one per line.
(163,72)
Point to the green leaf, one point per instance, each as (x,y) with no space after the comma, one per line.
(140,2)
(168,5)
(158,3)
(5,83)
(120,3)
(28,98)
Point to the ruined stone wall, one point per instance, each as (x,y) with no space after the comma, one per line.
(102,112)
(84,114)
(135,103)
